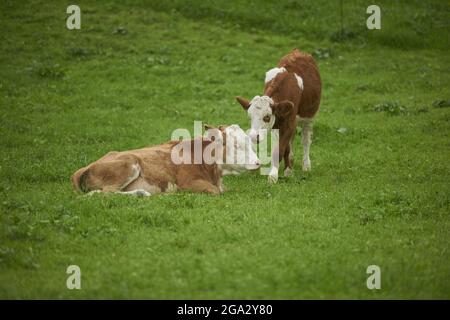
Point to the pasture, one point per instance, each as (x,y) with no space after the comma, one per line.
(378,192)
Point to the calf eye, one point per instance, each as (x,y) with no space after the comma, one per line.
(266,118)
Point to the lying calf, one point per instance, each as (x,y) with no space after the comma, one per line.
(171,166)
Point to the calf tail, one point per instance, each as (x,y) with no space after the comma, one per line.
(79,180)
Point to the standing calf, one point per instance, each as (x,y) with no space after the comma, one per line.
(291,94)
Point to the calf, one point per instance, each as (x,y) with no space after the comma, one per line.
(291,95)
(157,169)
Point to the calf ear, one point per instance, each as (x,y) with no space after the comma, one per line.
(244,102)
(283,108)
(207,127)
(222,127)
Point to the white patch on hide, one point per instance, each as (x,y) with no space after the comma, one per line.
(239,153)
(299,81)
(272,73)
(259,108)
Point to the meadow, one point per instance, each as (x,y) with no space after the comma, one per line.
(378,192)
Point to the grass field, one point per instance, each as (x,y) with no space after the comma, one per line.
(378,192)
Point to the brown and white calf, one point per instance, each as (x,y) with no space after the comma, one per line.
(291,95)
(158,168)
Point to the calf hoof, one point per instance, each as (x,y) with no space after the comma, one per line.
(142,193)
(306,166)
(288,172)
(272,178)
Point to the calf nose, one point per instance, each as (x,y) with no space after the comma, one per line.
(257,163)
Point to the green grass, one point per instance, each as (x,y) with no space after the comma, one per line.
(379,191)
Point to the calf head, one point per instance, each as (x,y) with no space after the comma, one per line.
(263,112)
(238,154)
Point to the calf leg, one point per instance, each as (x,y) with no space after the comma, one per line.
(307,131)
(273,174)
(291,143)
(200,185)
(111,176)
(137,193)
(289,157)
(140,184)
(287,161)
(278,152)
